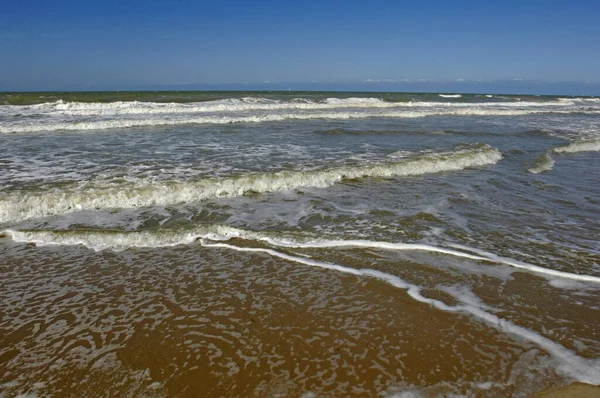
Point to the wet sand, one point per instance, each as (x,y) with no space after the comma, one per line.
(193,321)
(575,390)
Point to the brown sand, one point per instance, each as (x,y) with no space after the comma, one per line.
(192,321)
(575,390)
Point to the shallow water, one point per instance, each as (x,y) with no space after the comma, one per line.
(294,244)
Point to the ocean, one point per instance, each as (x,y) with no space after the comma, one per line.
(302,244)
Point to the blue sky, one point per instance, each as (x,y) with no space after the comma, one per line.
(63,44)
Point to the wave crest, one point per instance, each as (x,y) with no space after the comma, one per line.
(579,146)
(542,164)
(61,115)
(23,206)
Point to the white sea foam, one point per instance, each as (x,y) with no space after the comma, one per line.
(226,105)
(92,116)
(579,146)
(542,164)
(479,255)
(569,364)
(545,162)
(246,104)
(124,240)
(119,123)
(119,241)
(450,95)
(529,267)
(21,206)
(592,100)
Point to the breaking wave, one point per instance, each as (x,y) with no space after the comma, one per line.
(542,164)
(580,146)
(248,104)
(275,117)
(118,241)
(21,206)
(546,162)
(69,116)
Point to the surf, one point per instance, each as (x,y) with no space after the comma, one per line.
(579,146)
(124,240)
(96,196)
(84,116)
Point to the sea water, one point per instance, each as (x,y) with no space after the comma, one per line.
(298,244)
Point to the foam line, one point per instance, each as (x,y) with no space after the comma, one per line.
(119,241)
(124,240)
(481,255)
(570,364)
(112,122)
(373,245)
(274,253)
(68,108)
(530,267)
